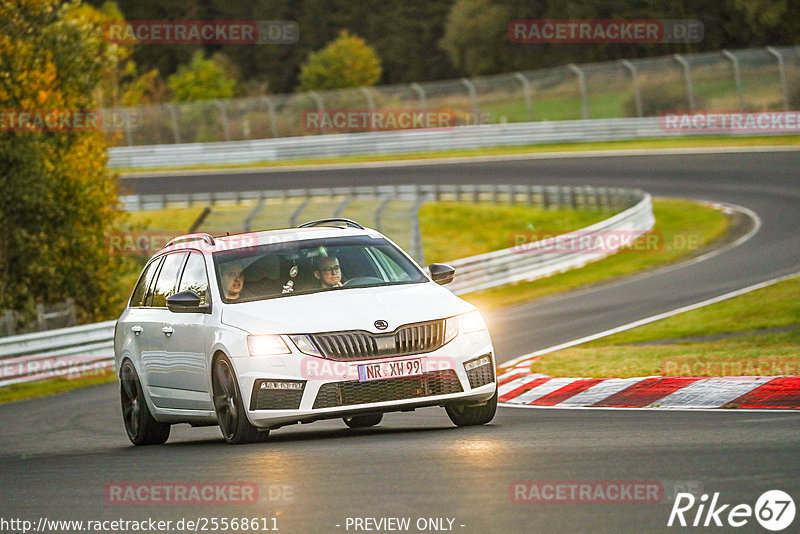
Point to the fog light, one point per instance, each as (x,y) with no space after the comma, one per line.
(474,364)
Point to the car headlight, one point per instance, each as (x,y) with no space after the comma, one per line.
(451,328)
(305,345)
(473,322)
(266,345)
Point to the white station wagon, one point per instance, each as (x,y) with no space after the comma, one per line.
(329,320)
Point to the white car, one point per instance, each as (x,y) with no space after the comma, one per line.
(261,330)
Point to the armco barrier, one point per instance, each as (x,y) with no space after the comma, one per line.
(396,142)
(72,351)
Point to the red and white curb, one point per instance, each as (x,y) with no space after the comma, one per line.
(520,388)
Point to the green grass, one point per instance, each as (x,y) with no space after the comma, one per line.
(682,227)
(744,353)
(678,142)
(17,392)
(454,230)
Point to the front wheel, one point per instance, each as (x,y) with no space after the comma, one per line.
(462,415)
(233,423)
(363,421)
(140,425)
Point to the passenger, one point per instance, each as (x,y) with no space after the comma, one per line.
(232,275)
(328,273)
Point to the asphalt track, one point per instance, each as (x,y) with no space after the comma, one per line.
(58,453)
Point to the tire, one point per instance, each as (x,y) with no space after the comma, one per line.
(140,425)
(363,421)
(233,422)
(462,415)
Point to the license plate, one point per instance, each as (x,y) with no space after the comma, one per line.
(384,370)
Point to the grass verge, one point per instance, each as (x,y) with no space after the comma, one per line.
(730,338)
(682,228)
(18,392)
(679,142)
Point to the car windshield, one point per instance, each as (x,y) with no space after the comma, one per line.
(310,266)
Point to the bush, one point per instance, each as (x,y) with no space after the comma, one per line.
(658,99)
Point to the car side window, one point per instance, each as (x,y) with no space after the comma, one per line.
(194,277)
(144,282)
(167,279)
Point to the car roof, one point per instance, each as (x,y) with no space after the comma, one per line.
(263,237)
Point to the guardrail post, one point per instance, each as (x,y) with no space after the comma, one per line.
(273,121)
(320,106)
(637,91)
(737,77)
(582,87)
(782,75)
(423,101)
(473,98)
(527,93)
(173,113)
(687,75)
(223,115)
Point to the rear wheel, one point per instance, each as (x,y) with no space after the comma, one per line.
(140,425)
(363,421)
(233,423)
(464,415)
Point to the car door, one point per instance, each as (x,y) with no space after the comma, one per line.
(140,332)
(185,345)
(164,386)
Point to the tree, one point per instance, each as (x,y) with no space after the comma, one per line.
(202,79)
(346,62)
(476,36)
(59,201)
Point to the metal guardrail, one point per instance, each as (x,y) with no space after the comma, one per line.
(396,142)
(514,265)
(76,350)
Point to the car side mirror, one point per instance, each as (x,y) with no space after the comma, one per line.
(186,302)
(441,273)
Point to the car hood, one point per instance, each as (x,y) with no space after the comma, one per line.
(345,309)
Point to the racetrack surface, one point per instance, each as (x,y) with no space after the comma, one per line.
(59,452)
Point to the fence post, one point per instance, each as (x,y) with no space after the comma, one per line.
(782,75)
(416,234)
(637,91)
(273,121)
(379,213)
(223,115)
(527,93)
(8,323)
(296,213)
(370,105)
(173,113)
(687,74)
(127,126)
(737,77)
(582,87)
(423,101)
(473,98)
(320,105)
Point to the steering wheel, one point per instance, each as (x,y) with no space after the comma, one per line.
(363,280)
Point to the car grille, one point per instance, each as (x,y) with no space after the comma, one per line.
(355,392)
(410,339)
(480,376)
(275,399)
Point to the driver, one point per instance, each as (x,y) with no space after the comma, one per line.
(232,280)
(327,272)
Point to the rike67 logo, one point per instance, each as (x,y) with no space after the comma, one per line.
(774,510)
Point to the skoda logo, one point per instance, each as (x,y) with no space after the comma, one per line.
(380,324)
